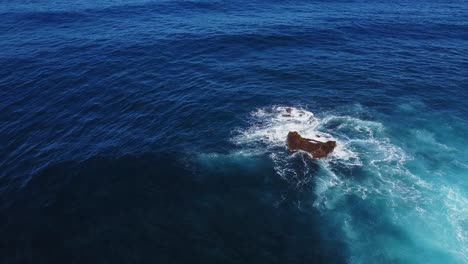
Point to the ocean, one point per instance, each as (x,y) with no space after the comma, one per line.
(154,131)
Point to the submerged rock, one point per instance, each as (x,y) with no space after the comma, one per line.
(288,111)
(315,148)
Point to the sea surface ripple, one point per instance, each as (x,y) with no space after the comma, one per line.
(153,131)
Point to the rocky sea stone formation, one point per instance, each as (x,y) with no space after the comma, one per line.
(315,148)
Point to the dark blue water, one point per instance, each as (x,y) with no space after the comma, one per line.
(152,131)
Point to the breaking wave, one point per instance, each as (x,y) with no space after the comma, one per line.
(368,173)
(359,142)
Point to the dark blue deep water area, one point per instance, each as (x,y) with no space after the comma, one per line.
(154,131)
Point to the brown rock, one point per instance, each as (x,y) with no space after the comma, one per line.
(316,148)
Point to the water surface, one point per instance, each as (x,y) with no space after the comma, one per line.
(153,131)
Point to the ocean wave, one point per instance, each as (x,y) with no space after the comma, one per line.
(366,165)
(363,151)
(355,137)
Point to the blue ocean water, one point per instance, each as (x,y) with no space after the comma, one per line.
(154,131)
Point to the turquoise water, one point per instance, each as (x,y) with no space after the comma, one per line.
(397,193)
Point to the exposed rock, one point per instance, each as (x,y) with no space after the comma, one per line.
(315,148)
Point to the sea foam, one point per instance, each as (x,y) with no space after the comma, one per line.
(366,164)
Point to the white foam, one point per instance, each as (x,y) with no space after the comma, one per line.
(270,127)
(362,145)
